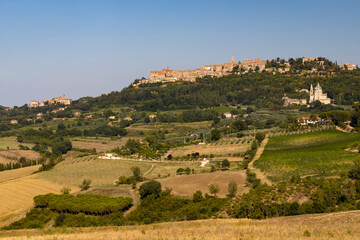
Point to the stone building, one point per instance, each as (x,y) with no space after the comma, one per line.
(318,95)
(61,100)
(34,103)
(214,70)
(348,66)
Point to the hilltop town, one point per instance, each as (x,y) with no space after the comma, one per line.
(246,66)
(55,100)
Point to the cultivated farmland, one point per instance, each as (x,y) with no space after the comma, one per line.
(224,147)
(17,196)
(104,172)
(188,184)
(318,154)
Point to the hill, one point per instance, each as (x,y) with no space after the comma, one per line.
(260,89)
(340,225)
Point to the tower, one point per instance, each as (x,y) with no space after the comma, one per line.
(311,97)
(233,59)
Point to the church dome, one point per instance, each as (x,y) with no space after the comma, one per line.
(318,87)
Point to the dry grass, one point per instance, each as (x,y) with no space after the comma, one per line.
(341,225)
(100,144)
(102,172)
(186,185)
(13,155)
(17,173)
(11,143)
(17,196)
(221,148)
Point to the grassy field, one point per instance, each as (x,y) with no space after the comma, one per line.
(223,148)
(17,173)
(14,155)
(104,172)
(318,154)
(17,195)
(100,144)
(186,185)
(11,143)
(341,225)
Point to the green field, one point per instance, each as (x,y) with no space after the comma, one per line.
(11,143)
(318,154)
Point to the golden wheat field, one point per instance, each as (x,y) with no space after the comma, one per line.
(16,196)
(221,148)
(9,175)
(341,225)
(186,185)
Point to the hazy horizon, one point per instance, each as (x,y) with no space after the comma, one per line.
(87,48)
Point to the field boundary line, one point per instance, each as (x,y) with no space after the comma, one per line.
(152,166)
(258,172)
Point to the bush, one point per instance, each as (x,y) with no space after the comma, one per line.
(66,190)
(354,172)
(85,184)
(260,137)
(197,196)
(232,188)
(225,163)
(150,188)
(214,189)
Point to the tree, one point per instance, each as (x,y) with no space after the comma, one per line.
(232,188)
(215,135)
(197,196)
(260,137)
(214,189)
(150,188)
(85,184)
(354,172)
(225,163)
(66,190)
(136,173)
(147,120)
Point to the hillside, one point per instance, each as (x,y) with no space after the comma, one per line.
(260,89)
(340,225)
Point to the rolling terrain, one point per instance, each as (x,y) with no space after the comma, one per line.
(340,225)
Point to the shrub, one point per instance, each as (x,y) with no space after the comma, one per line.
(260,137)
(214,189)
(85,184)
(150,188)
(66,190)
(225,163)
(197,196)
(232,188)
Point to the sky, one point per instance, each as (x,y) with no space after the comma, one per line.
(90,47)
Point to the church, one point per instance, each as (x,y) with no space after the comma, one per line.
(317,95)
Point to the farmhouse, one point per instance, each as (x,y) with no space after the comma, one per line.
(227,115)
(14,121)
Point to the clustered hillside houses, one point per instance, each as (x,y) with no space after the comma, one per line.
(61,100)
(314,95)
(219,70)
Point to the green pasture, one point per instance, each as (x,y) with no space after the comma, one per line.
(316,154)
(11,143)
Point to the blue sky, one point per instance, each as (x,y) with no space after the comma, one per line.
(90,47)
